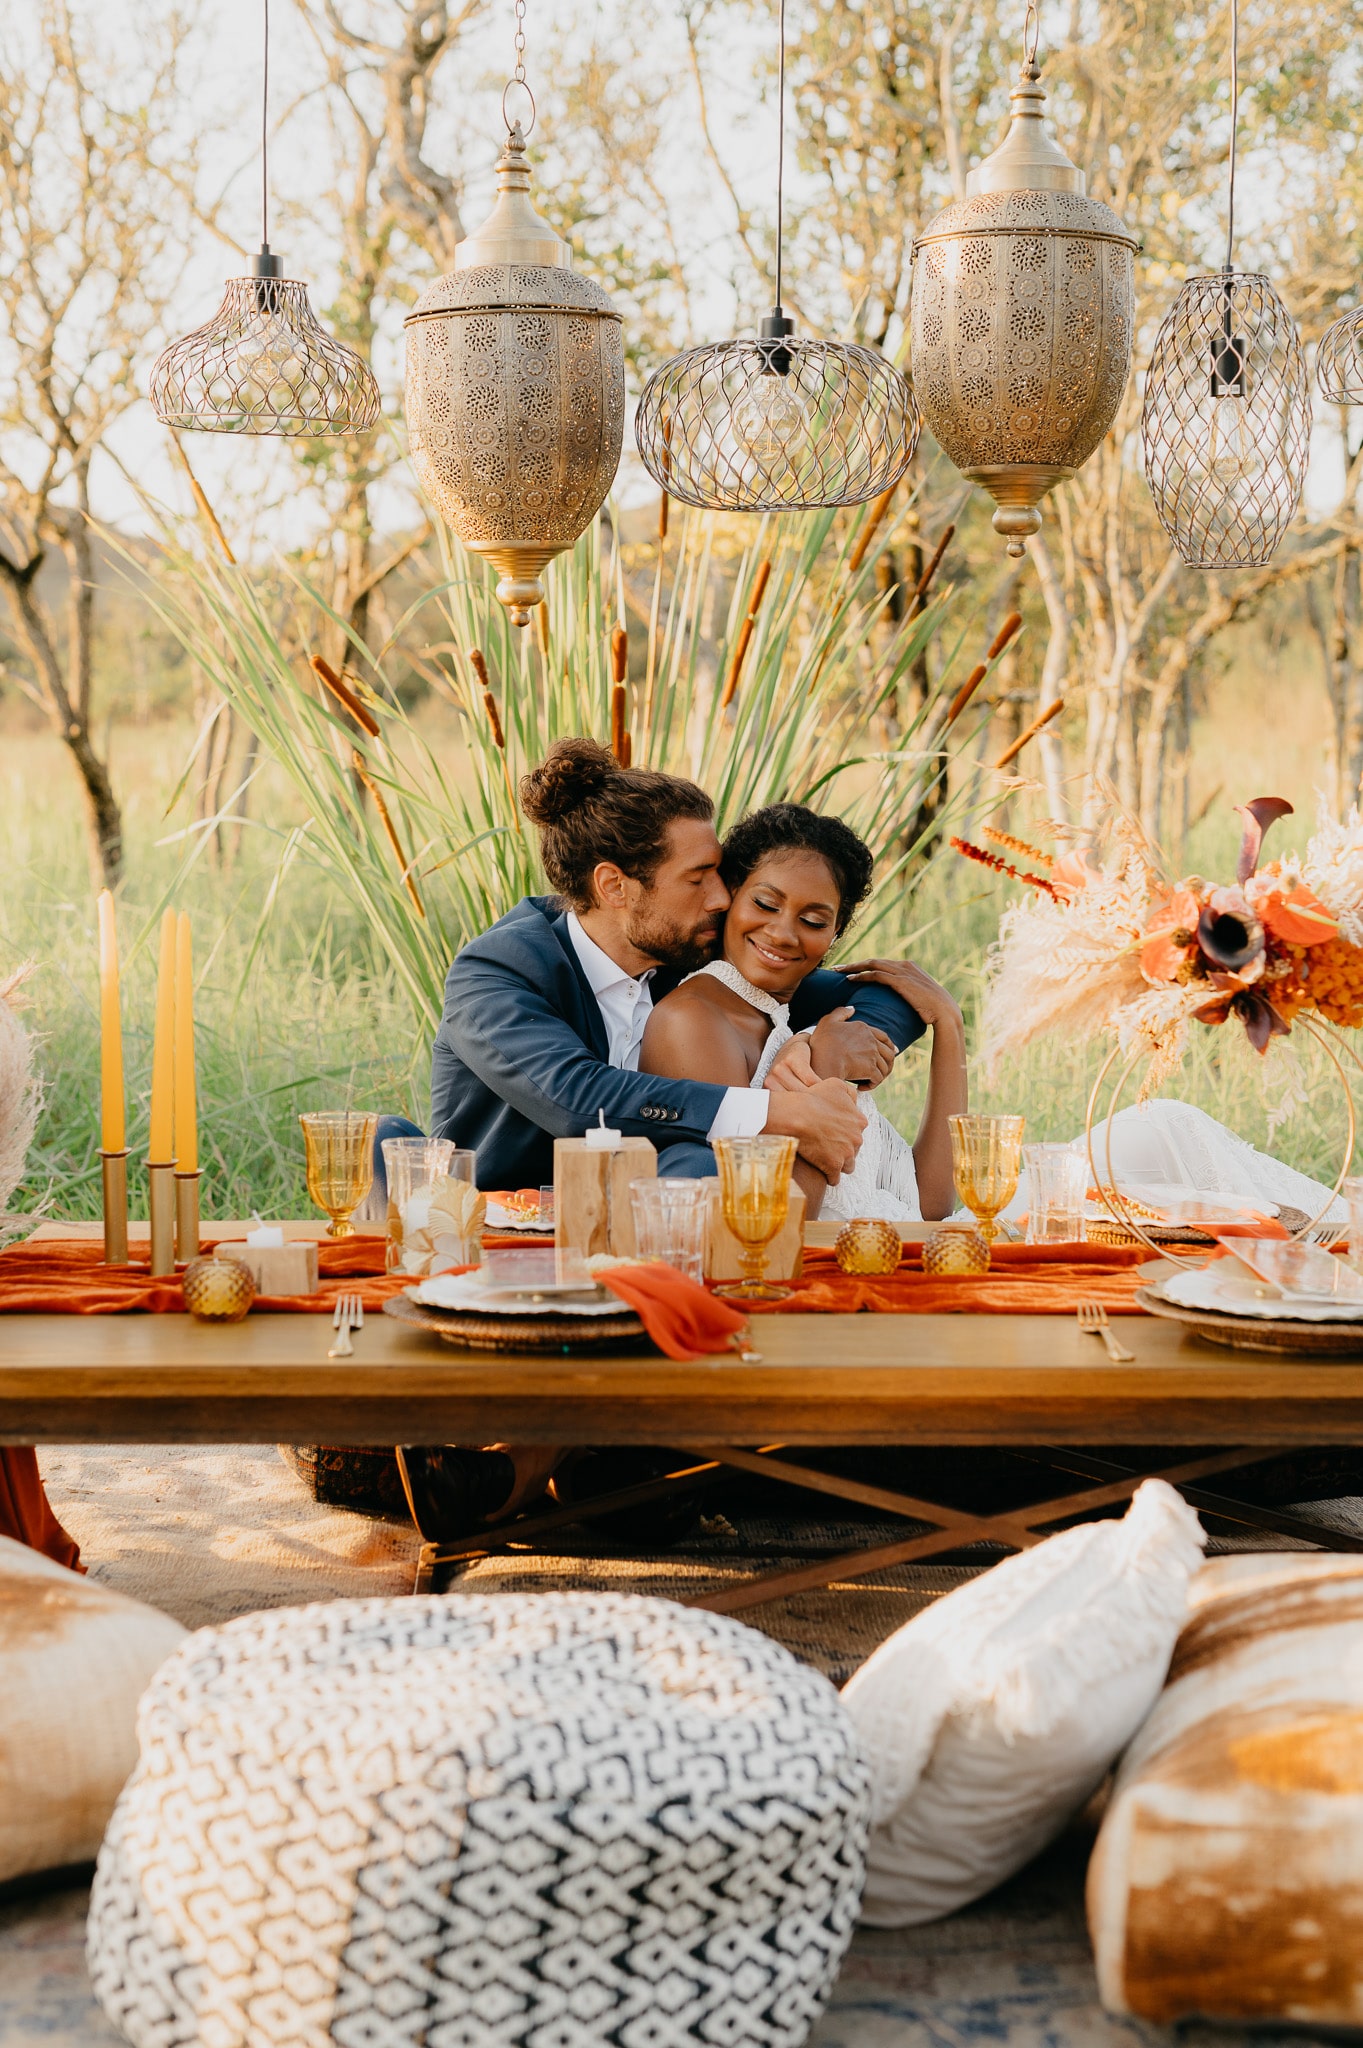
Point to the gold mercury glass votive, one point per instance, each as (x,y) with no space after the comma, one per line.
(218,1290)
(955,1249)
(868,1244)
(986,1159)
(754,1181)
(340,1150)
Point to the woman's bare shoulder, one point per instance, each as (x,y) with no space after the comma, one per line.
(690,1037)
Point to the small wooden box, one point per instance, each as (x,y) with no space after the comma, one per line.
(592,1208)
(277,1268)
(785,1253)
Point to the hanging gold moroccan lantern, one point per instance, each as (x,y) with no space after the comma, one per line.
(1023,308)
(515,390)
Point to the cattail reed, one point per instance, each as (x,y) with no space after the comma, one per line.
(1037,725)
(870,528)
(363,775)
(759,588)
(345,696)
(978,674)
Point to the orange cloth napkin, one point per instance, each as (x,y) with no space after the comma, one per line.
(681,1318)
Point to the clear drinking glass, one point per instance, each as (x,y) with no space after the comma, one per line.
(340,1155)
(1352,1191)
(547,1206)
(986,1158)
(435,1213)
(1057,1187)
(671,1218)
(754,1180)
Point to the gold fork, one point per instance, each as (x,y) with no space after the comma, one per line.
(1094,1323)
(348,1316)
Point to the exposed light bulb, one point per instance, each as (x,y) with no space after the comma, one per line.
(1233,452)
(771,422)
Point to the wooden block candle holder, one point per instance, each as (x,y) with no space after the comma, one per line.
(276,1268)
(785,1253)
(592,1208)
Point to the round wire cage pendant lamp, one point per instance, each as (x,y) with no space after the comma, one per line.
(1339,361)
(1226,423)
(264,364)
(778,423)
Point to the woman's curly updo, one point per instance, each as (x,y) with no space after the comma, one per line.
(589,809)
(791,828)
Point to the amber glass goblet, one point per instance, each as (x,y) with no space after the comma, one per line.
(340,1149)
(754,1183)
(986,1159)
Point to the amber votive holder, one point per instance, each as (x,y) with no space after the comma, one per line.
(114,1167)
(186,1216)
(161,1216)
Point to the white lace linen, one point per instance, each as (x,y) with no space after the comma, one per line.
(1165,1149)
(883,1181)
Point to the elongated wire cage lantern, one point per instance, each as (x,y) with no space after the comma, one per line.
(777,424)
(1339,361)
(1226,426)
(264,364)
(1226,422)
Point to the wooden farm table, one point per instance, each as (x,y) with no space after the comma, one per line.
(1000,1380)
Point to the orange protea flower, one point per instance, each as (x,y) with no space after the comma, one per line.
(1171,934)
(1071,875)
(1298,918)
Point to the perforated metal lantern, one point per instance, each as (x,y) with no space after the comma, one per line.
(1339,362)
(515,391)
(1226,425)
(1023,310)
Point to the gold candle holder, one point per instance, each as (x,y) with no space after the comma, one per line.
(115,1174)
(161,1214)
(186,1216)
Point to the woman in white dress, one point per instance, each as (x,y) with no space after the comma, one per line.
(797,878)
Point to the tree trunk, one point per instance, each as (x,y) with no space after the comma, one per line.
(67,698)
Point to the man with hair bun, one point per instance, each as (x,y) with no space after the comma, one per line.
(545,1012)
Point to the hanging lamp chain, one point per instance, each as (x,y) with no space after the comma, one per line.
(1031,35)
(518,78)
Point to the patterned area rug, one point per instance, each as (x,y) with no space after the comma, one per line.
(206,1533)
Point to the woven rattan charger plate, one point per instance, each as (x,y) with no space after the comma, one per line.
(1285,1339)
(1107,1230)
(558,1336)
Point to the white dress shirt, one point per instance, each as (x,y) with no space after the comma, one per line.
(625,1001)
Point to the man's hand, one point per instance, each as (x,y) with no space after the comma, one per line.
(826,1122)
(843,1049)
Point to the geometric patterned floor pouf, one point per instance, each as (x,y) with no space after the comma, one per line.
(539,1821)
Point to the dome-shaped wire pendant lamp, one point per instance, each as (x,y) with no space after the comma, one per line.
(1226,424)
(1339,361)
(777,423)
(264,364)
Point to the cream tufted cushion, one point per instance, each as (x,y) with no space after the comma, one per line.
(564,1818)
(74,1659)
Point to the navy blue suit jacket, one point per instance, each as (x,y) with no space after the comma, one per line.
(520,1056)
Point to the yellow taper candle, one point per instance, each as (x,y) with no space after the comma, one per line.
(161,1140)
(112,1135)
(186,1111)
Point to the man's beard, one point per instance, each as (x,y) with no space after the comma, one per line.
(671,944)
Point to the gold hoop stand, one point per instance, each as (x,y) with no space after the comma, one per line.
(1110,1195)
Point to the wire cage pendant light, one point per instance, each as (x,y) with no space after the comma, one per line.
(1226,423)
(264,364)
(779,423)
(1339,361)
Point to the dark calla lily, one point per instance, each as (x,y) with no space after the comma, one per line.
(1229,937)
(1258,814)
(1260,1019)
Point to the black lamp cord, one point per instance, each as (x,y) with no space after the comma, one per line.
(265,264)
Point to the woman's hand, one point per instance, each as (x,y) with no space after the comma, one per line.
(933,1003)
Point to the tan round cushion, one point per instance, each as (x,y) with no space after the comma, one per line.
(75,1659)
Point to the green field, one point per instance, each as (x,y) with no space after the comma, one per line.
(295,1011)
